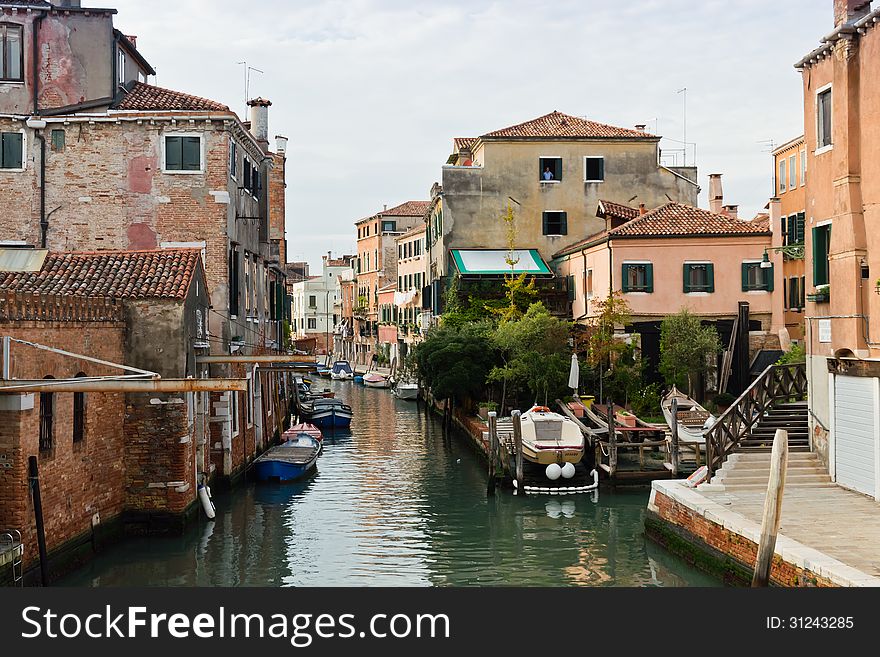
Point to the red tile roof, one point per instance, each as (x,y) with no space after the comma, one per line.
(408,209)
(161,274)
(557,124)
(616,210)
(674,220)
(463,142)
(145,97)
(678,219)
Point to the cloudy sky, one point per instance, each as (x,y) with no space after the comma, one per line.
(371,92)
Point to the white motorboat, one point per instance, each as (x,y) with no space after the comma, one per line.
(550,438)
(376,380)
(341,371)
(693,420)
(406,390)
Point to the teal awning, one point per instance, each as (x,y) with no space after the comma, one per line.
(498,262)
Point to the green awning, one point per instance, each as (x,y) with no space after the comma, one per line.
(498,262)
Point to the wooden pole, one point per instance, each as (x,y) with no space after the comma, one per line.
(493,449)
(34,476)
(772,509)
(676,463)
(517,441)
(612,441)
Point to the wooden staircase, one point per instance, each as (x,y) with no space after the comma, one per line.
(792,416)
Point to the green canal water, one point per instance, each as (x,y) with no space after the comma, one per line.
(393,503)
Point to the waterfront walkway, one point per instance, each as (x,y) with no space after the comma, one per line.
(828,534)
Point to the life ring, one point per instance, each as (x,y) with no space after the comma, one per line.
(541,409)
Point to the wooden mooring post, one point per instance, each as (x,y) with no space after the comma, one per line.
(772,509)
(676,459)
(34,477)
(517,441)
(493,451)
(612,442)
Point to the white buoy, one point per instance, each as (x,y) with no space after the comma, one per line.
(207,504)
(568,470)
(553,471)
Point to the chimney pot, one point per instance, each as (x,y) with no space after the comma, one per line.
(716,193)
(642,209)
(259,115)
(280,144)
(640,127)
(731,211)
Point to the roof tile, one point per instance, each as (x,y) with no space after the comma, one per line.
(678,219)
(161,274)
(146,97)
(557,124)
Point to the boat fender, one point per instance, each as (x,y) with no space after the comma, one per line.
(553,471)
(207,503)
(567,471)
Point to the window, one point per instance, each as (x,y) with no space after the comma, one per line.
(823,118)
(699,277)
(555,223)
(637,277)
(233,412)
(793,229)
(550,169)
(249,406)
(588,283)
(782,176)
(821,248)
(47,416)
(803,168)
(11,53)
(120,67)
(312,323)
(233,282)
(246,174)
(79,414)
(802,302)
(594,169)
(389,226)
(183,153)
(792,173)
(755,277)
(794,299)
(233,160)
(58,139)
(313,301)
(11,150)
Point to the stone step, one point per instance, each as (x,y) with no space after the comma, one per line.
(764,468)
(765,457)
(791,477)
(713,487)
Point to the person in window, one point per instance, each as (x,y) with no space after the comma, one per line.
(548,175)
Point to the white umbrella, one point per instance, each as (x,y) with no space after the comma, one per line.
(574,374)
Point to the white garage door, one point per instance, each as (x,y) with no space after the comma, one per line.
(855,433)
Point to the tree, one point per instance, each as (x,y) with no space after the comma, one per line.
(454,361)
(533,350)
(685,348)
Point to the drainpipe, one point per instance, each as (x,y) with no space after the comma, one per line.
(44,221)
(35,65)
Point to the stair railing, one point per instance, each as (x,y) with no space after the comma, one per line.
(778,383)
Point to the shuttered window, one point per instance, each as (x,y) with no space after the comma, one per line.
(183,153)
(638,277)
(699,277)
(11,150)
(821,246)
(550,169)
(794,301)
(823,118)
(555,223)
(594,169)
(755,277)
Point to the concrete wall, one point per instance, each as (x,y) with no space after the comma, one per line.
(475,198)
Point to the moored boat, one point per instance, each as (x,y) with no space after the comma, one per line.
(327,413)
(289,460)
(551,440)
(693,420)
(376,380)
(303,427)
(341,371)
(406,390)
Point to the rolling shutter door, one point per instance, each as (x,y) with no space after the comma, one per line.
(855,427)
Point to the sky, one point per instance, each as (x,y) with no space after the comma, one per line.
(372,92)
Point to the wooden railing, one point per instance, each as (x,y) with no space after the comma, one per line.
(777,384)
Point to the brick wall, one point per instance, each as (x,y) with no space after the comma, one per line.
(712,538)
(82,482)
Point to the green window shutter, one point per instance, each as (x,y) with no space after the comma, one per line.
(649,278)
(544,223)
(564,224)
(769,275)
(799,226)
(687,285)
(12,155)
(821,240)
(791,234)
(745,277)
(710,275)
(173,153)
(571,288)
(785,292)
(624,284)
(192,153)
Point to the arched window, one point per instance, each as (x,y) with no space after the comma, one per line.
(47,413)
(79,413)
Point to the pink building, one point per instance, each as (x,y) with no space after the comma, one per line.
(672,257)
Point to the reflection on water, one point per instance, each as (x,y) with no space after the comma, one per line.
(394,503)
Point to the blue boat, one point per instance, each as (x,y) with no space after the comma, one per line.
(327,413)
(342,371)
(289,460)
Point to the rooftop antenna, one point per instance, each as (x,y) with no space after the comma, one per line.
(247,81)
(684,90)
(770,145)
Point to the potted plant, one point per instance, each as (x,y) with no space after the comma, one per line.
(625,418)
(485,407)
(821,294)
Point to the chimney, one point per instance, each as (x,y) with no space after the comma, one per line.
(132,39)
(280,145)
(384,207)
(259,116)
(847,10)
(640,127)
(731,211)
(642,209)
(716,194)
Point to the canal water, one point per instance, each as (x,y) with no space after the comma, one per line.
(394,503)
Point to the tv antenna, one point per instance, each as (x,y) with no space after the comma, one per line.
(684,90)
(247,80)
(770,145)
